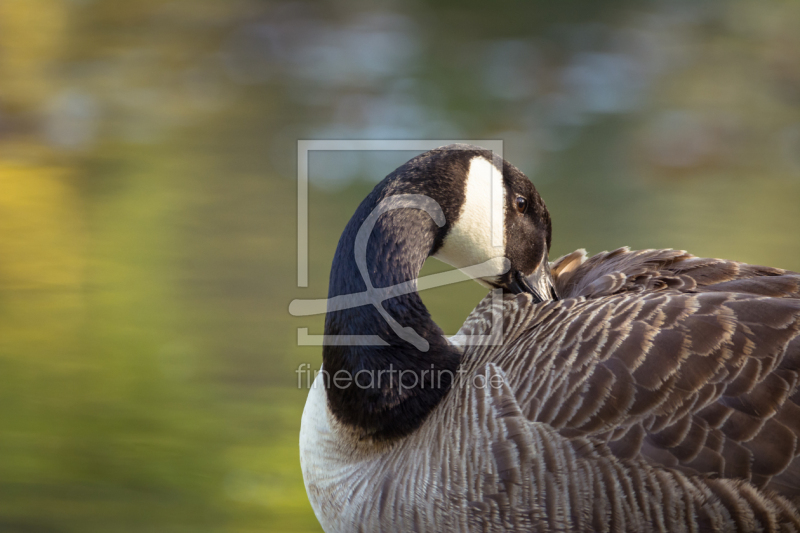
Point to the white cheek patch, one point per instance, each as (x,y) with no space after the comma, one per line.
(479,233)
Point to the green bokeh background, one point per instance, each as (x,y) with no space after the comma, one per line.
(148,207)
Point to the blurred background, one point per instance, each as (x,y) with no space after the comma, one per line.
(148,206)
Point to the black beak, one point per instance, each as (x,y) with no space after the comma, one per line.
(539,284)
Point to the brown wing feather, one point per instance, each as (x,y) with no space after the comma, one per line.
(623,270)
(686,362)
(669,383)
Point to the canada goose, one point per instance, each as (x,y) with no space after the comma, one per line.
(632,391)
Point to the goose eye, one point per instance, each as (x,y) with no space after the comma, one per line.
(521,204)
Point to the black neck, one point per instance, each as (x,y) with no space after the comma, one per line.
(386,391)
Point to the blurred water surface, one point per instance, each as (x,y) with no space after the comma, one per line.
(148,207)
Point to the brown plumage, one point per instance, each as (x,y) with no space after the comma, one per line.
(675,380)
(661,393)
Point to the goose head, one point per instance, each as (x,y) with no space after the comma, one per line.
(487,192)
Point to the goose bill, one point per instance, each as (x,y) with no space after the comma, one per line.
(539,284)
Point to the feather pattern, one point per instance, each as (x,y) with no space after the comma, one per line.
(661,393)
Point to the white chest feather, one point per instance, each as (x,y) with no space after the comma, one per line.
(333,464)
